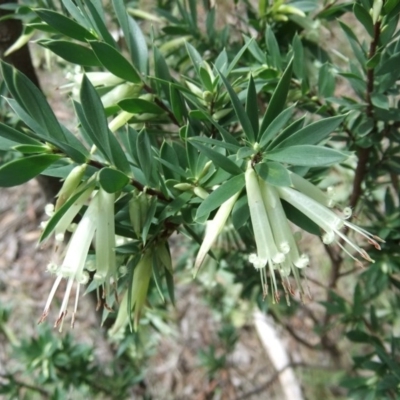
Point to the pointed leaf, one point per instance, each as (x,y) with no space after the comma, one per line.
(252,104)
(64,25)
(278,99)
(72,52)
(220,195)
(276,125)
(239,110)
(112,180)
(218,159)
(307,155)
(115,62)
(313,133)
(22,170)
(96,121)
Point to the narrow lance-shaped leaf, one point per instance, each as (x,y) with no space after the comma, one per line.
(220,195)
(278,100)
(37,107)
(239,110)
(218,159)
(72,52)
(307,155)
(115,62)
(65,25)
(252,104)
(313,133)
(22,170)
(96,126)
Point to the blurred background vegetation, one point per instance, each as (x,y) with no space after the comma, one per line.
(342,343)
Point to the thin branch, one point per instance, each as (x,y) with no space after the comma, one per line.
(25,385)
(275,376)
(160,104)
(136,184)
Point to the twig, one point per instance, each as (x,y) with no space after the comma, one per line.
(160,104)
(136,184)
(275,376)
(25,385)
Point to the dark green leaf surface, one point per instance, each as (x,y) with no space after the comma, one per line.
(65,25)
(239,111)
(22,170)
(220,195)
(314,133)
(139,106)
(72,52)
(307,155)
(115,62)
(278,100)
(218,159)
(112,180)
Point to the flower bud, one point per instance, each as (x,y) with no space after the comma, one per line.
(70,184)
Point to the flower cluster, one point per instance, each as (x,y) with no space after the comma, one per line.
(276,246)
(97,224)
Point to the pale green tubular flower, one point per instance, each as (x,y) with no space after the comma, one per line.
(105,242)
(214,228)
(140,284)
(72,267)
(267,250)
(330,222)
(283,238)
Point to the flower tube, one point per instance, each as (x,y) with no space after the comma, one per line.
(72,267)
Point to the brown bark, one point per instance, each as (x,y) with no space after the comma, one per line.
(10,31)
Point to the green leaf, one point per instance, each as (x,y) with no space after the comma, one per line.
(31,148)
(240,212)
(65,25)
(195,57)
(274,173)
(380,100)
(364,17)
(238,56)
(53,221)
(162,71)
(133,35)
(389,66)
(72,52)
(326,81)
(299,219)
(118,155)
(358,336)
(112,180)
(16,136)
(313,133)
(298,58)
(218,159)
(252,104)
(145,154)
(218,143)
(115,62)
(276,125)
(220,195)
(239,110)
(138,106)
(96,121)
(22,170)
(35,104)
(278,99)
(273,48)
(99,23)
(307,155)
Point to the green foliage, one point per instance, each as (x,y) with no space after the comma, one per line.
(177,120)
